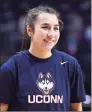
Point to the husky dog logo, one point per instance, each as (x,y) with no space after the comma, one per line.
(45,83)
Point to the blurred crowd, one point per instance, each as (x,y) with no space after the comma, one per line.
(75,38)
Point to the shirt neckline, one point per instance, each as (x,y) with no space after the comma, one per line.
(41,59)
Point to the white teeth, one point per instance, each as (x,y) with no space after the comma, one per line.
(49,41)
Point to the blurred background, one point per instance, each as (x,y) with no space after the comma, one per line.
(75,38)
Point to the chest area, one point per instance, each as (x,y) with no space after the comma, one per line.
(44,84)
(43,79)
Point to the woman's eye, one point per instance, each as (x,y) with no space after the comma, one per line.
(45,27)
(56,28)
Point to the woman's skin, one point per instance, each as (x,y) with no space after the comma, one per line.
(45,35)
(3,107)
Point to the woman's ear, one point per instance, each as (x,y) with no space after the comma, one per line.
(29,31)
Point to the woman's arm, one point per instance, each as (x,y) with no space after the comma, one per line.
(76,107)
(3,107)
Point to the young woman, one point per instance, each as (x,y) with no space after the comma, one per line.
(40,78)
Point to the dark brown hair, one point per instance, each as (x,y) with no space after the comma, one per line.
(32,17)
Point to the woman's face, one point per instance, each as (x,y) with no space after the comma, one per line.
(46,32)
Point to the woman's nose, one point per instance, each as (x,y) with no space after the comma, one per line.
(50,33)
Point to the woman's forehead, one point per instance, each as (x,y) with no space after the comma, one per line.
(47,18)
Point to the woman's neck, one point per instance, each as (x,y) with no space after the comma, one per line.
(40,53)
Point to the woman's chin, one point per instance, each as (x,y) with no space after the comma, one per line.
(48,48)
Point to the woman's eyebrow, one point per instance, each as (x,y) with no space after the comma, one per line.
(49,24)
(45,24)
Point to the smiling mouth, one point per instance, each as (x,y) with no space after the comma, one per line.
(48,41)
